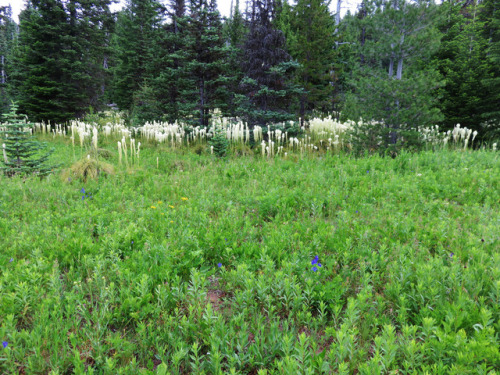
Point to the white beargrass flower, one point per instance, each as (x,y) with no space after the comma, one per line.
(94,137)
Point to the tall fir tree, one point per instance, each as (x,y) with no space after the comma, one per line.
(206,68)
(267,93)
(312,46)
(132,44)
(491,104)
(90,26)
(168,61)
(394,82)
(8,38)
(462,60)
(234,27)
(60,58)
(46,92)
(234,30)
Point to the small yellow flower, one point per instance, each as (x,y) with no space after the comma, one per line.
(153,207)
(184,198)
(162,213)
(160,202)
(171,221)
(170,206)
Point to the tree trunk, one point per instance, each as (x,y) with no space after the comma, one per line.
(399,73)
(337,16)
(202,102)
(391,62)
(302,109)
(362,13)
(3,70)
(400,61)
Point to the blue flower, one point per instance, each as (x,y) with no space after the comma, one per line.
(83,197)
(368,171)
(83,190)
(319,265)
(11,260)
(314,269)
(451,255)
(219,265)
(5,344)
(356,211)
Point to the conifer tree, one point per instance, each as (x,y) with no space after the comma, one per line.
(168,61)
(234,30)
(267,93)
(46,92)
(90,26)
(491,106)
(312,46)
(234,27)
(394,82)
(463,62)
(132,43)
(206,66)
(60,57)
(21,150)
(8,37)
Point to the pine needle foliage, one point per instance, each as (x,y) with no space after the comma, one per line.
(219,143)
(22,151)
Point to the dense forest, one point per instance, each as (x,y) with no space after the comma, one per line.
(407,63)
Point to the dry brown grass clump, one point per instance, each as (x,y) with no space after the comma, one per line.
(88,168)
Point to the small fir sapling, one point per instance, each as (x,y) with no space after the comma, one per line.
(22,152)
(219,142)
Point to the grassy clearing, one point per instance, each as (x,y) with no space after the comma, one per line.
(205,266)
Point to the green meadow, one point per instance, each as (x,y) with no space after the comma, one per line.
(184,263)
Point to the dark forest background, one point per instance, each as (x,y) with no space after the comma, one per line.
(415,63)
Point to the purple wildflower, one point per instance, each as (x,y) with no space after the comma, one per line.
(5,344)
(314,269)
(315,260)
(451,255)
(11,260)
(83,190)
(219,265)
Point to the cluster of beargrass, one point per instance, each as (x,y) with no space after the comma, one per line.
(315,137)
(183,263)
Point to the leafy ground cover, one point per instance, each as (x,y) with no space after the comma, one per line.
(187,264)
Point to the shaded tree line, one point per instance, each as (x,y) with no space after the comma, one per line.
(406,63)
